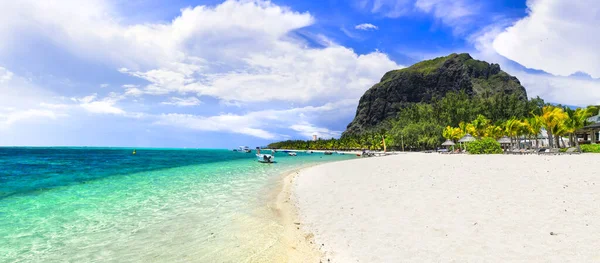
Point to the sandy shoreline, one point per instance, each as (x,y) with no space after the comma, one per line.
(461,208)
(299,245)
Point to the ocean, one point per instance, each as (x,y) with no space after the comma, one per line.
(160,205)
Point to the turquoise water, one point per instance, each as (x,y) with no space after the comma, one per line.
(160,205)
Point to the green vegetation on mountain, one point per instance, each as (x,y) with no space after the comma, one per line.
(431,80)
(418,107)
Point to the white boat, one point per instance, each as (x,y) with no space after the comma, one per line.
(292,154)
(264,158)
(245,149)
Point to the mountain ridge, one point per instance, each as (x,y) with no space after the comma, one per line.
(429,79)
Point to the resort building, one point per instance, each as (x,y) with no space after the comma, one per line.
(314,138)
(590,133)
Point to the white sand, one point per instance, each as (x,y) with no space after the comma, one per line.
(454,208)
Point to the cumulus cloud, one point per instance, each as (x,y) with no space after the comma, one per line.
(105,105)
(260,123)
(235,51)
(366,26)
(15,116)
(21,100)
(182,102)
(558,89)
(454,13)
(5,75)
(239,52)
(559,37)
(308,130)
(578,91)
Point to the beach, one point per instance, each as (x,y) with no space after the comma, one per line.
(452,208)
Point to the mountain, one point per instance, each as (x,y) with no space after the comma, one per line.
(428,79)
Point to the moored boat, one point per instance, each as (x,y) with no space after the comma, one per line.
(265,158)
(292,154)
(245,149)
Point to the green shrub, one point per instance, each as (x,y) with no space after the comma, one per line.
(484,146)
(590,148)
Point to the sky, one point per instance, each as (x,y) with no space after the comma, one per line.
(219,74)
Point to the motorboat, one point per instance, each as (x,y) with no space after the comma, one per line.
(292,154)
(265,158)
(245,149)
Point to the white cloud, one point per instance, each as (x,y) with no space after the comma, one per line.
(105,105)
(15,116)
(390,8)
(366,26)
(228,123)
(132,90)
(559,37)
(236,51)
(454,13)
(21,100)
(240,52)
(5,75)
(308,130)
(182,102)
(556,89)
(54,105)
(261,123)
(104,85)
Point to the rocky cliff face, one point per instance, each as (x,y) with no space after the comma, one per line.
(428,79)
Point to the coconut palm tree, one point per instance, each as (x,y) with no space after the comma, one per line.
(512,128)
(534,128)
(494,131)
(553,120)
(577,120)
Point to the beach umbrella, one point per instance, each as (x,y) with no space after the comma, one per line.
(448,143)
(504,140)
(467,138)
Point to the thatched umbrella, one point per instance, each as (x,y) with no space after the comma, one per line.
(467,138)
(504,141)
(448,143)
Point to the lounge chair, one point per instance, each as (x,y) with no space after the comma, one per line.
(544,151)
(572,150)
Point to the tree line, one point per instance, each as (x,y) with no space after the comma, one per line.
(423,126)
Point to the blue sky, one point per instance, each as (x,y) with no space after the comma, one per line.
(219,74)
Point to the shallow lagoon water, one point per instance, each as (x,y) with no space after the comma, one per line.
(160,205)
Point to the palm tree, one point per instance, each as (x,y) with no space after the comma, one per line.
(553,120)
(494,131)
(534,127)
(577,120)
(480,125)
(512,128)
